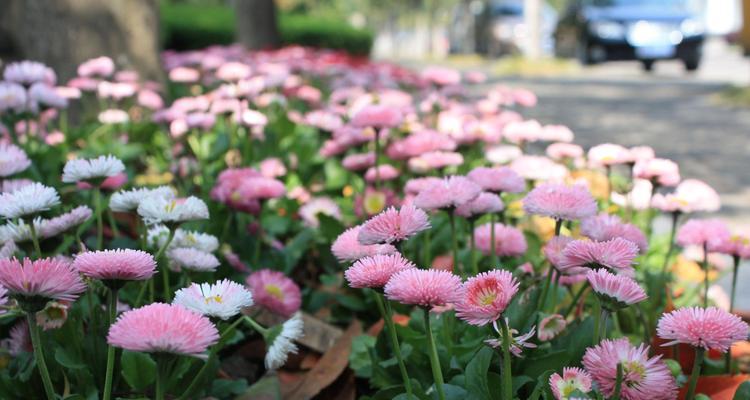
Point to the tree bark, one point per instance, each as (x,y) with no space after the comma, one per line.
(257,27)
(64,33)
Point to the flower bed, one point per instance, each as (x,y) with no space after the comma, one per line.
(301,223)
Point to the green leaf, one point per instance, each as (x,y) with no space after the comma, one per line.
(476,374)
(453,392)
(138,369)
(359,358)
(336,175)
(69,360)
(541,383)
(265,388)
(223,388)
(743,392)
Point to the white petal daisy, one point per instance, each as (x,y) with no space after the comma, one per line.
(100,167)
(224,299)
(12,160)
(28,200)
(192,259)
(155,210)
(283,343)
(129,200)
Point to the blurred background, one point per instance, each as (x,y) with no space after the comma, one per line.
(672,74)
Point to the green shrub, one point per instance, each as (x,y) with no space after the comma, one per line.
(191,26)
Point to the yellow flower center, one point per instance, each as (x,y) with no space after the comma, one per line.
(170,206)
(216,299)
(274,291)
(487,298)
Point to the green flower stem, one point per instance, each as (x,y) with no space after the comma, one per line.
(35,238)
(699,354)
(112,309)
(597,321)
(385,310)
(704,266)
(258,327)
(618,383)
(507,379)
(670,249)
(558,226)
(731,306)
(437,372)
(427,251)
(165,268)
(211,356)
(545,289)
(112,223)
(377,159)
(36,342)
(472,249)
(576,297)
(454,242)
(603,322)
(99,221)
(162,374)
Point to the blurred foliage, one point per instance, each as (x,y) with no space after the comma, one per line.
(194,25)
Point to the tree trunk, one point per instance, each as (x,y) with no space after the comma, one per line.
(64,33)
(257,27)
(532,14)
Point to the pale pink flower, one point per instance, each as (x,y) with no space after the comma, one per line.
(113,116)
(19,340)
(46,278)
(12,160)
(560,201)
(358,162)
(430,161)
(616,254)
(384,172)
(251,118)
(420,142)
(29,72)
(642,153)
(502,154)
(150,99)
(557,133)
(324,120)
(703,232)
(498,179)
(261,188)
(115,90)
(615,291)
(562,151)
(441,76)
(42,96)
(116,265)
(691,195)
(737,245)
(184,75)
(486,296)
(711,328)
(485,203)
(275,292)
(64,222)
(509,241)
(163,328)
(376,271)
(551,326)
(13,97)
(644,378)
(347,247)
(233,71)
(378,116)
(393,225)
(517,342)
(272,167)
(475,76)
(415,185)
(450,192)
(100,66)
(319,205)
(11,185)
(192,259)
(524,97)
(553,251)
(538,168)
(523,131)
(53,315)
(604,227)
(608,154)
(659,171)
(425,288)
(572,380)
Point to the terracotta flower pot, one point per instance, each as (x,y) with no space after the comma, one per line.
(718,387)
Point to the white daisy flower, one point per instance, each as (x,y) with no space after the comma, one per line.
(155,210)
(192,259)
(28,200)
(100,167)
(17,232)
(283,343)
(12,159)
(158,235)
(7,250)
(224,299)
(129,200)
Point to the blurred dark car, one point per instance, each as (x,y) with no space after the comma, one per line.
(596,31)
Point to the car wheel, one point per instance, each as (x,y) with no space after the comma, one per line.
(583,53)
(692,64)
(648,65)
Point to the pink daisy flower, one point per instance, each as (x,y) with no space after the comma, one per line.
(376,271)
(608,154)
(538,168)
(560,201)
(116,265)
(485,203)
(415,185)
(347,247)
(163,328)
(433,160)
(711,328)
(617,254)
(420,143)
(553,250)
(572,380)
(387,172)
(393,225)
(486,296)
(659,171)
(551,326)
(615,291)
(358,162)
(644,378)
(509,241)
(498,179)
(50,279)
(703,232)
(562,151)
(737,245)
(275,291)
(425,288)
(261,188)
(441,76)
(605,227)
(377,115)
(450,192)
(691,195)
